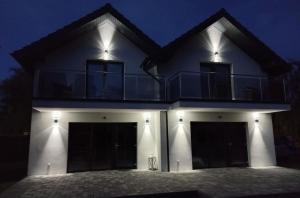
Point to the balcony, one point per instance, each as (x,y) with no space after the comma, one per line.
(111,86)
(98,85)
(221,87)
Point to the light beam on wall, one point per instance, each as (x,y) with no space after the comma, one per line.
(215,45)
(106,33)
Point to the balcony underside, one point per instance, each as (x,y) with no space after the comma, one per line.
(201,106)
(232,106)
(95,106)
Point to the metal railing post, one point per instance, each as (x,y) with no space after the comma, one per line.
(165,90)
(232,82)
(85,84)
(124,86)
(180,85)
(208,84)
(260,89)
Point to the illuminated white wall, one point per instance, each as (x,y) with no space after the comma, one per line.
(92,45)
(260,141)
(49,141)
(201,48)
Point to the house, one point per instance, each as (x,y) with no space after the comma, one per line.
(106,96)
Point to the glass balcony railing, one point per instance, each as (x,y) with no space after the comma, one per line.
(98,85)
(219,86)
(140,87)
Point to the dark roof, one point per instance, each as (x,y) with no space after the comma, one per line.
(38,49)
(238,34)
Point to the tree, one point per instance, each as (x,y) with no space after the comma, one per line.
(15,103)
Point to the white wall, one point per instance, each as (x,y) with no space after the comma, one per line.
(91,45)
(260,141)
(49,142)
(201,48)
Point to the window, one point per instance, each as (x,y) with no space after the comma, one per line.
(105,79)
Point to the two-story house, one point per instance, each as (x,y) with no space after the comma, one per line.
(106,96)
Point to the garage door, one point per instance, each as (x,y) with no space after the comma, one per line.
(218,144)
(101,146)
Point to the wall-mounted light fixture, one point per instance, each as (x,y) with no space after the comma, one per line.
(56,116)
(147,121)
(180,117)
(255,116)
(147,118)
(106,54)
(216,56)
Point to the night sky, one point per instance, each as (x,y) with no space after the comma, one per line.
(277,23)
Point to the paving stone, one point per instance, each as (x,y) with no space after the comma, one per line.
(221,182)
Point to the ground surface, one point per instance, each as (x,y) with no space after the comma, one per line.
(224,182)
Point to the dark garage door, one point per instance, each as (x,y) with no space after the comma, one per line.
(218,144)
(101,146)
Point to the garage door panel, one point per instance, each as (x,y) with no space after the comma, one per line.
(126,147)
(101,146)
(218,144)
(79,149)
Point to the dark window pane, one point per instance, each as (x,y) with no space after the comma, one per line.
(115,67)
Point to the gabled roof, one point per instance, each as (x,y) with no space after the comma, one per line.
(239,35)
(38,49)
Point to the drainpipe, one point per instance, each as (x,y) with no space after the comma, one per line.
(148,61)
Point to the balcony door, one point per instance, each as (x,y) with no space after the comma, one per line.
(105,79)
(216,81)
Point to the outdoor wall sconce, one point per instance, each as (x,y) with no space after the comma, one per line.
(56,116)
(216,56)
(147,118)
(180,117)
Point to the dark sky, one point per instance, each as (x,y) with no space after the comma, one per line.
(275,22)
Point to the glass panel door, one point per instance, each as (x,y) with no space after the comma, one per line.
(217,80)
(105,79)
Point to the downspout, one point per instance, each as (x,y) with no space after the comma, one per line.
(167,136)
(148,61)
